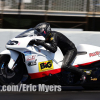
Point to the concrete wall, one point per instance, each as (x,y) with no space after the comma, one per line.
(78,37)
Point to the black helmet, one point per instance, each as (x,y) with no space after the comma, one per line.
(44,29)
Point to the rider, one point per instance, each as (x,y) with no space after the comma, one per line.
(67,47)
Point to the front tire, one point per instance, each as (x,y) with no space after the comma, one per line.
(8,76)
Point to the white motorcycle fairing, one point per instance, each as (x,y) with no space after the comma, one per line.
(47,62)
(34,55)
(90,55)
(13,57)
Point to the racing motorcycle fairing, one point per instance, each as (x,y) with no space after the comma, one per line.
(90,55)
(13,57)
(36,55)
(45,60)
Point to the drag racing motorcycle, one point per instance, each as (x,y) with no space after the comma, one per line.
(23,61)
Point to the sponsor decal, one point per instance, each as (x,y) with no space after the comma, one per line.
(18,43)
(51,38)
(26,53)
(94,54)
(93,79)
(32,63)
(31,57)
(88,72)
(50,34)
(45,66)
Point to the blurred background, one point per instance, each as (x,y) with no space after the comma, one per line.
(71,14)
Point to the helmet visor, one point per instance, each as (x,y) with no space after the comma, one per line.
(43,33)
(40,33)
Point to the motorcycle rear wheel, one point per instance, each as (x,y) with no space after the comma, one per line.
(7,76)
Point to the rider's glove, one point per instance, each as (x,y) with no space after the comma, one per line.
(39,42)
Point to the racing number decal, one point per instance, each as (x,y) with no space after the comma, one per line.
(46,65)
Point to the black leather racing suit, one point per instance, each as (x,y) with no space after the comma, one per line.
(67,47)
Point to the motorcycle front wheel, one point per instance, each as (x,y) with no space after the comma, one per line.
(8,76)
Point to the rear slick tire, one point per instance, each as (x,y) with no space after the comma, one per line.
(7,76)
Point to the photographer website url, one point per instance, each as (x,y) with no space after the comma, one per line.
(31,88)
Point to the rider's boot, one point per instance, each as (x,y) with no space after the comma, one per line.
(83,78)
(77,71)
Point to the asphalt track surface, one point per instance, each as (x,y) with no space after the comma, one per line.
(67,93)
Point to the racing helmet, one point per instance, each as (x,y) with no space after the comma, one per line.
(44,29)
